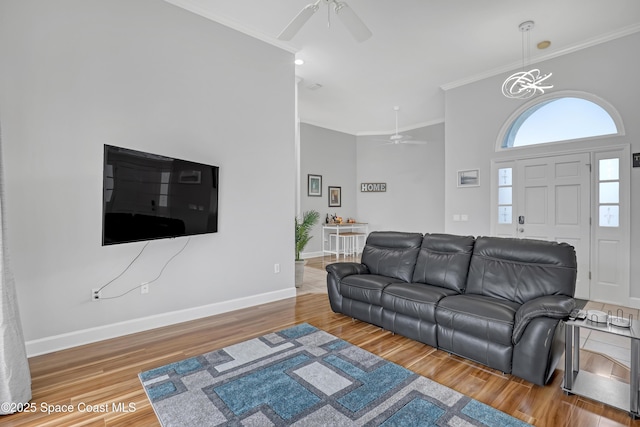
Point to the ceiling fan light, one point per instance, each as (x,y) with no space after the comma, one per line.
(352,22)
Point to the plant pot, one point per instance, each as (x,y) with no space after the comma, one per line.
(300,272)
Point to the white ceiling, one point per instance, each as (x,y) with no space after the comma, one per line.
(418,47)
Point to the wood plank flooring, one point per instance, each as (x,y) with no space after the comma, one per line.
(106,373)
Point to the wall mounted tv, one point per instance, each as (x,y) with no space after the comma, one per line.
(147,196)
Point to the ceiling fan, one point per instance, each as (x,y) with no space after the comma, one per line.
(397,138)
(354,24)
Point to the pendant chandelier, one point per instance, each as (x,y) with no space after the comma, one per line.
(525,84)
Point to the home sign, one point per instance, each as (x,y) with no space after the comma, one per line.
(373,187)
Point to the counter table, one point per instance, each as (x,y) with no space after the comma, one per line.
(344,238)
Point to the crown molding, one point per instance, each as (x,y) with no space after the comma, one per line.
(198,10)
(626,31)
(325,126)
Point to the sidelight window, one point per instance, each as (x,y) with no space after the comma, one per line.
(609,192)
(505,196)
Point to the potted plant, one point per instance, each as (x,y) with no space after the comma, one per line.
(303,235)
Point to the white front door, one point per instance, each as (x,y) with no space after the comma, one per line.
(554,204)
(565,198)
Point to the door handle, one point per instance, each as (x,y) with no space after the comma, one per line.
(521,230)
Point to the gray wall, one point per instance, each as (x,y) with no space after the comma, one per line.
(331,154)
(475,114)
(414,198)
(77,74)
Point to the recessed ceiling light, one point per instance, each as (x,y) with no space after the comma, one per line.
(544,44)
(299,61)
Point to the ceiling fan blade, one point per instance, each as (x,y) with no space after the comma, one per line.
(354,24)
(408,139)
(393,141)
(296,23)
(414,142)
(399,139)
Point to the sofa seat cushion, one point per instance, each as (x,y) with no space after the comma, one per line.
(415,300)
(365,287)
(487,318)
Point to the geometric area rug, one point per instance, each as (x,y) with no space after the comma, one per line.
(303,376)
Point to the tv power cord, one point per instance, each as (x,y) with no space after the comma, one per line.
(96,292)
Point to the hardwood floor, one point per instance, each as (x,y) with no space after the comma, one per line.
(106,373)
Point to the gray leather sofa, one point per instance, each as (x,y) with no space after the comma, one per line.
(498,301)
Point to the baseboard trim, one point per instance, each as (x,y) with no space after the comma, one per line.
(306,255)
(86,336)
(634,302)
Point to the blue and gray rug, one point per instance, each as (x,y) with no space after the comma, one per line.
(307,377)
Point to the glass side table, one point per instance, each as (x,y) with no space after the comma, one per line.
(605,390)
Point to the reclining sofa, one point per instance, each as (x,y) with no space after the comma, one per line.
(501,302)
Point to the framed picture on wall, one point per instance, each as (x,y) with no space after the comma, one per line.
(335,197)
(314,185)
(469,178)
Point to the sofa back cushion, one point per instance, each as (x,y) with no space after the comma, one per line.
(444,261)
(392,253)
(521,269)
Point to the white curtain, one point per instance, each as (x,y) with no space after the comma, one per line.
(15,378)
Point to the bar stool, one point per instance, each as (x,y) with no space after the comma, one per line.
(344,243)
(356,247)
(356,242)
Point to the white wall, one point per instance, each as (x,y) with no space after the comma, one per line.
(77,74)
(414,199)
(476,112)
(331,154)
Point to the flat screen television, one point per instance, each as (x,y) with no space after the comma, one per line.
(148,196)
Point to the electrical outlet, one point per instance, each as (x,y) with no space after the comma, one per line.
(96,294)
(144,288)
(276,268)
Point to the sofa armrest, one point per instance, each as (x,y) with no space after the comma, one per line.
(343,269)
(552,306)
(336,272)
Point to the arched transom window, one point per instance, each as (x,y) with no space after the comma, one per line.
(559,119)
